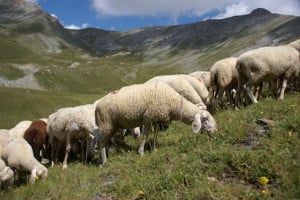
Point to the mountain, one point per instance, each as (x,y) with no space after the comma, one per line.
(35,48)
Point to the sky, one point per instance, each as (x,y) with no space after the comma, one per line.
(122,15)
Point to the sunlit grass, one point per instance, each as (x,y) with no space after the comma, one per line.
(228,165)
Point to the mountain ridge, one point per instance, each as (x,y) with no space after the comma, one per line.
(79,60)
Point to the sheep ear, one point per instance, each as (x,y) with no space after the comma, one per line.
(196,124)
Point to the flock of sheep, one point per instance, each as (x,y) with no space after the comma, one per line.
(143,108)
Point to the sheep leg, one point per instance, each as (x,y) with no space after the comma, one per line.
(250,94)
(142,146)
(284,84)
(51,140)
(155,136)
(83,150)
(257,90)
(68,148)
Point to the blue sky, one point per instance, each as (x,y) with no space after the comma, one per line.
(120,15)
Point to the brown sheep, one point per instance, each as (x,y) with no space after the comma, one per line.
(36,136)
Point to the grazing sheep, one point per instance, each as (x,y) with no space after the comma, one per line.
(182,86)
(295,81)
(146,105)
(224,78)
(6,173)
(18,155)
(69,125)
(198,85)
(37,137)
(267,64)
(20,128)
(202,75)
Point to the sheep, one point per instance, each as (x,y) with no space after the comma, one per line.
(295,44)
(17,153)
(146,105)
(182,86)
(70,125)
(20,128)
(202,75)
(295,81)
(37,137)
(6,173)
(267,64)
(224,78)
(199,86)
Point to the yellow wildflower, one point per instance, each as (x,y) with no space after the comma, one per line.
(265,191)
(290,133)
(263,180)
(141,193)
(230,120)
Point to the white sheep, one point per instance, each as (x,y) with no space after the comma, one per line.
(20,128)
(6,173)
(295,81)
(267,64)
(182,86)
(199,86)
(147,105)
(202,75)
(70,125)
(18,155)
(295,44)
(224,78)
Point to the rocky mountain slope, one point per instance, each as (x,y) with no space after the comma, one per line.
(30,36)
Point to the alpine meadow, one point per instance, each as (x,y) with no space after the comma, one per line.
(254,154)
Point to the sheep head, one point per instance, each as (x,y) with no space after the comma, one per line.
(208,122)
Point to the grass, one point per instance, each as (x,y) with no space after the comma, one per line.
(22,104)
(188,166)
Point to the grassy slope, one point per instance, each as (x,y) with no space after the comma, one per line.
(185,166)
(21,104)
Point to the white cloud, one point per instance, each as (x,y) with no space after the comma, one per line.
(75,27)
(32,1)
(54,16)
(177,8)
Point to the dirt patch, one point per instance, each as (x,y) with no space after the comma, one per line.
(28,81)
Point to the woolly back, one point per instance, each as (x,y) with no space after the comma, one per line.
(266,63)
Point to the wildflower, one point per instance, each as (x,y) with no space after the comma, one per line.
(261,112)
(141,193)
(263,180)
(230,120)
(290,133)
(265,191)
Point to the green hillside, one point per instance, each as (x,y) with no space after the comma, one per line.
(228,165)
